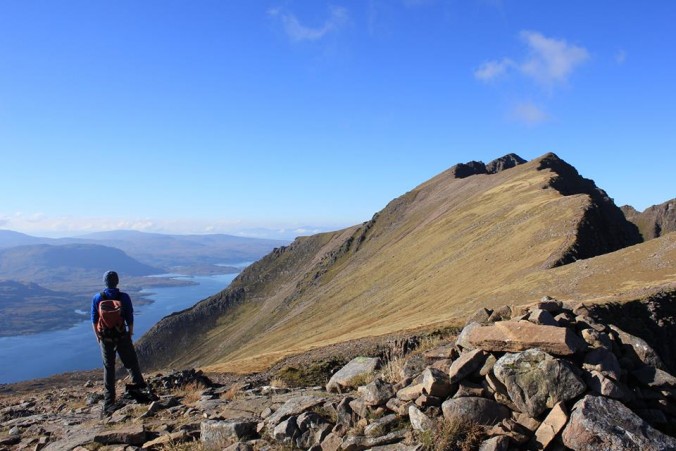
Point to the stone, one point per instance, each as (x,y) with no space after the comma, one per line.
(654,377)
(359,408)
(419,421)
(467,390)
(135,435)
(410,393)
(412,367)
(309,420)
(441,352)
(381,426)
(398,406)
(536,381)
(511,336)
(358,443)
(488,365)
(293,407)
(637,350)
(542,317)
(480,410)
(239,447)
(332,442)
(467,364)
(436,383)
(498,443)
(526,422)
(353,374)
(602,385)
(428,401)
(481,316)
(376,393)
(164,441)
(599,423)
(286,431)
(215,432)
(603,361)
(344,412)
(550,305)
(550,427)
(503,313)
(462,340)
(596,339)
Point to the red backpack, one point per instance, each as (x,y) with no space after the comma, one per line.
(111,323)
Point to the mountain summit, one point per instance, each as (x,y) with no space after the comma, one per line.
(474,236)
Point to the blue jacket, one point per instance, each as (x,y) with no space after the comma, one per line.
(114,294)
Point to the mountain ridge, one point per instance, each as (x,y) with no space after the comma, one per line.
(435,252)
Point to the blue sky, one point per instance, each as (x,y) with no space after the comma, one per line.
(274,118)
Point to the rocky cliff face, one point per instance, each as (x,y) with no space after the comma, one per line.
(655,221)
(467,237)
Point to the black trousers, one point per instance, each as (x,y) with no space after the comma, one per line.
(125,349)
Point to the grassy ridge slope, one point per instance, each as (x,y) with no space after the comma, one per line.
(430,257)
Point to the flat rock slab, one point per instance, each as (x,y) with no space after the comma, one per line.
(599,423)
(516,336)
(352,374)
(293,407)
(135,435)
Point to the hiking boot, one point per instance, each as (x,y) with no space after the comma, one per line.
(108,409)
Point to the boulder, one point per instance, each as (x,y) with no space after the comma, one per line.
(381,426)
(376,393)
(286,431)
(358,443)
(353,374)
(419,421)
(516,336)
(215,433)
(410,393)
(654,377)
(536,381)
(462,341)
(479,410)
(599,423)
(638,350)
(436,383)
(602,385)
(467,364)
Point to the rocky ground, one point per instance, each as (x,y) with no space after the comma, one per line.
(545,377)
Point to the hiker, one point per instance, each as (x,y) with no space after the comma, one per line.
(113,324)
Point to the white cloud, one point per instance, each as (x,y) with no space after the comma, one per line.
(338,17)
(550,61)
(491,70)
(620,57)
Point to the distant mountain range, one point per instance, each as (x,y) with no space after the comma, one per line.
(477,235)
(41,273)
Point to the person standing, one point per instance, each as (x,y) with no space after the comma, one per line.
(115,340)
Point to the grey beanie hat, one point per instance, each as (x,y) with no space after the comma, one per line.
(110,279)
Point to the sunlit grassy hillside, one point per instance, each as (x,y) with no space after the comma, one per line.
(430,257)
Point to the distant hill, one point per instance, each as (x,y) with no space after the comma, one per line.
(170,251)
(654,221)
(30,308)
(186,253)
(465,239)
(49,264)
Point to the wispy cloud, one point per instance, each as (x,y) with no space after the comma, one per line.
(548,62)
(491,70)
(620,57)
(529,114)
(296,31)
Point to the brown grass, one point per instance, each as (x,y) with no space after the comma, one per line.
(450,435)
(431,258)
(190,393)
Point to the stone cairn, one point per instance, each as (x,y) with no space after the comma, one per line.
(545,377)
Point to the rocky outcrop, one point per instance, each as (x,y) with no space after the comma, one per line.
(654,221)
(464,170)
(604,227)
